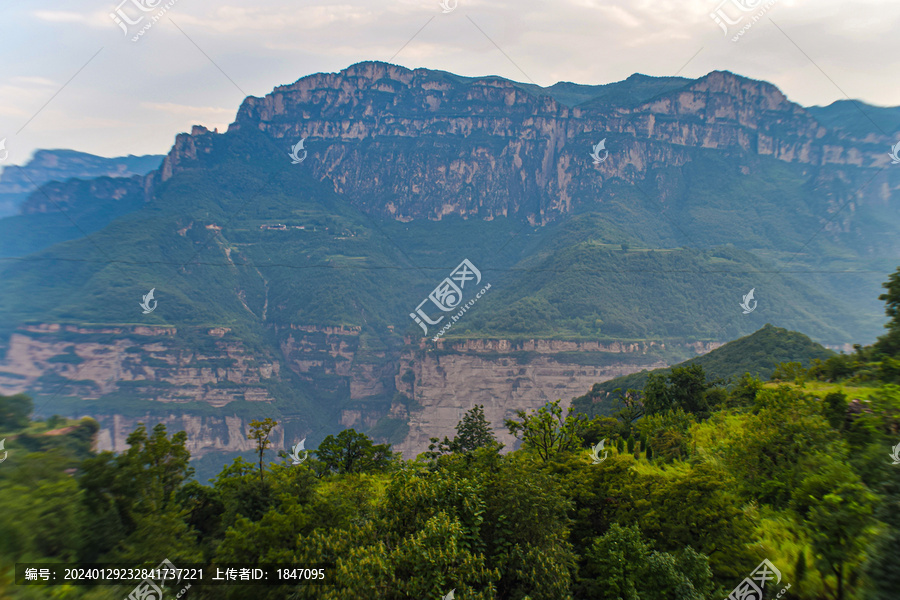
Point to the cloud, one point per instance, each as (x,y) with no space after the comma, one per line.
(211,117)
(143,93)
(63,16)
(25,80)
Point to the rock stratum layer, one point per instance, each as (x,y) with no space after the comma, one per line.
(489,147)
(421,145)
(150,376)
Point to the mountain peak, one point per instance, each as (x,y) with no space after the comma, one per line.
(743,89)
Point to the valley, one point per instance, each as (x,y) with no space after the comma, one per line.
(285,290)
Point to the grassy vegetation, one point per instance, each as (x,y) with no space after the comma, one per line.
(821,389)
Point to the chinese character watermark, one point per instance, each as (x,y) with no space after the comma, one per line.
(151,588)
(448,295)
(751,588)
(123,19)
(738,12)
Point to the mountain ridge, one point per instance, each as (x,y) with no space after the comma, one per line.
(312,269)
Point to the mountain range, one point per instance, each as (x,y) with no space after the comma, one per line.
(61,195)
(286,287)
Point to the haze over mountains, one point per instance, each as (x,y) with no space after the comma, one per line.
(79,183)
(287,288)
(18,182)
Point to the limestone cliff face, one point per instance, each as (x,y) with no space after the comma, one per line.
(204,434)
(506,377)
(144,362)
(149,375)
(421,144)
(448,386)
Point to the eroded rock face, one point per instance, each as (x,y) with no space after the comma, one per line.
(417,144)
(146,362)
(448,386)
(505,377)
(426,390)
(204,434)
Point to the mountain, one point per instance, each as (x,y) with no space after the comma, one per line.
(63,211)
(17,183)
(757,354)
(858,119)
(62,195)
(286,287)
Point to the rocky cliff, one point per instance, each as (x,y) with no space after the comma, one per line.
(94,362)
(419,145)
(125,375)
(18,182)
(506,377)
(422,144)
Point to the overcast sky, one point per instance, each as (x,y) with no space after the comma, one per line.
(70,77)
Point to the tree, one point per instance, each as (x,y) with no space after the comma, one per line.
(770,450)
(131,497)
(889,343)
(882,568)
(546,430)
(656,395)
(744,393)
(667,433)
(790,371)
(632,410)
(687,388)
(836,508)
(41,511)
(834,407)
(621,565)
(424,540)
(684,388)
(353,452)
(260,431)
(473,432)
(683,505)
(526,531)
(835,368)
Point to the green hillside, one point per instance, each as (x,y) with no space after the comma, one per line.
(334,265)
(244,239)
(757,354)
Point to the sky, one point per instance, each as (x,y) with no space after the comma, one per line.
(72,77)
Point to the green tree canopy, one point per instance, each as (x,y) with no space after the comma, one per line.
(353,452)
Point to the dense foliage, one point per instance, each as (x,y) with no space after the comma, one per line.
(685,505)
(698,484)
(757,354)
